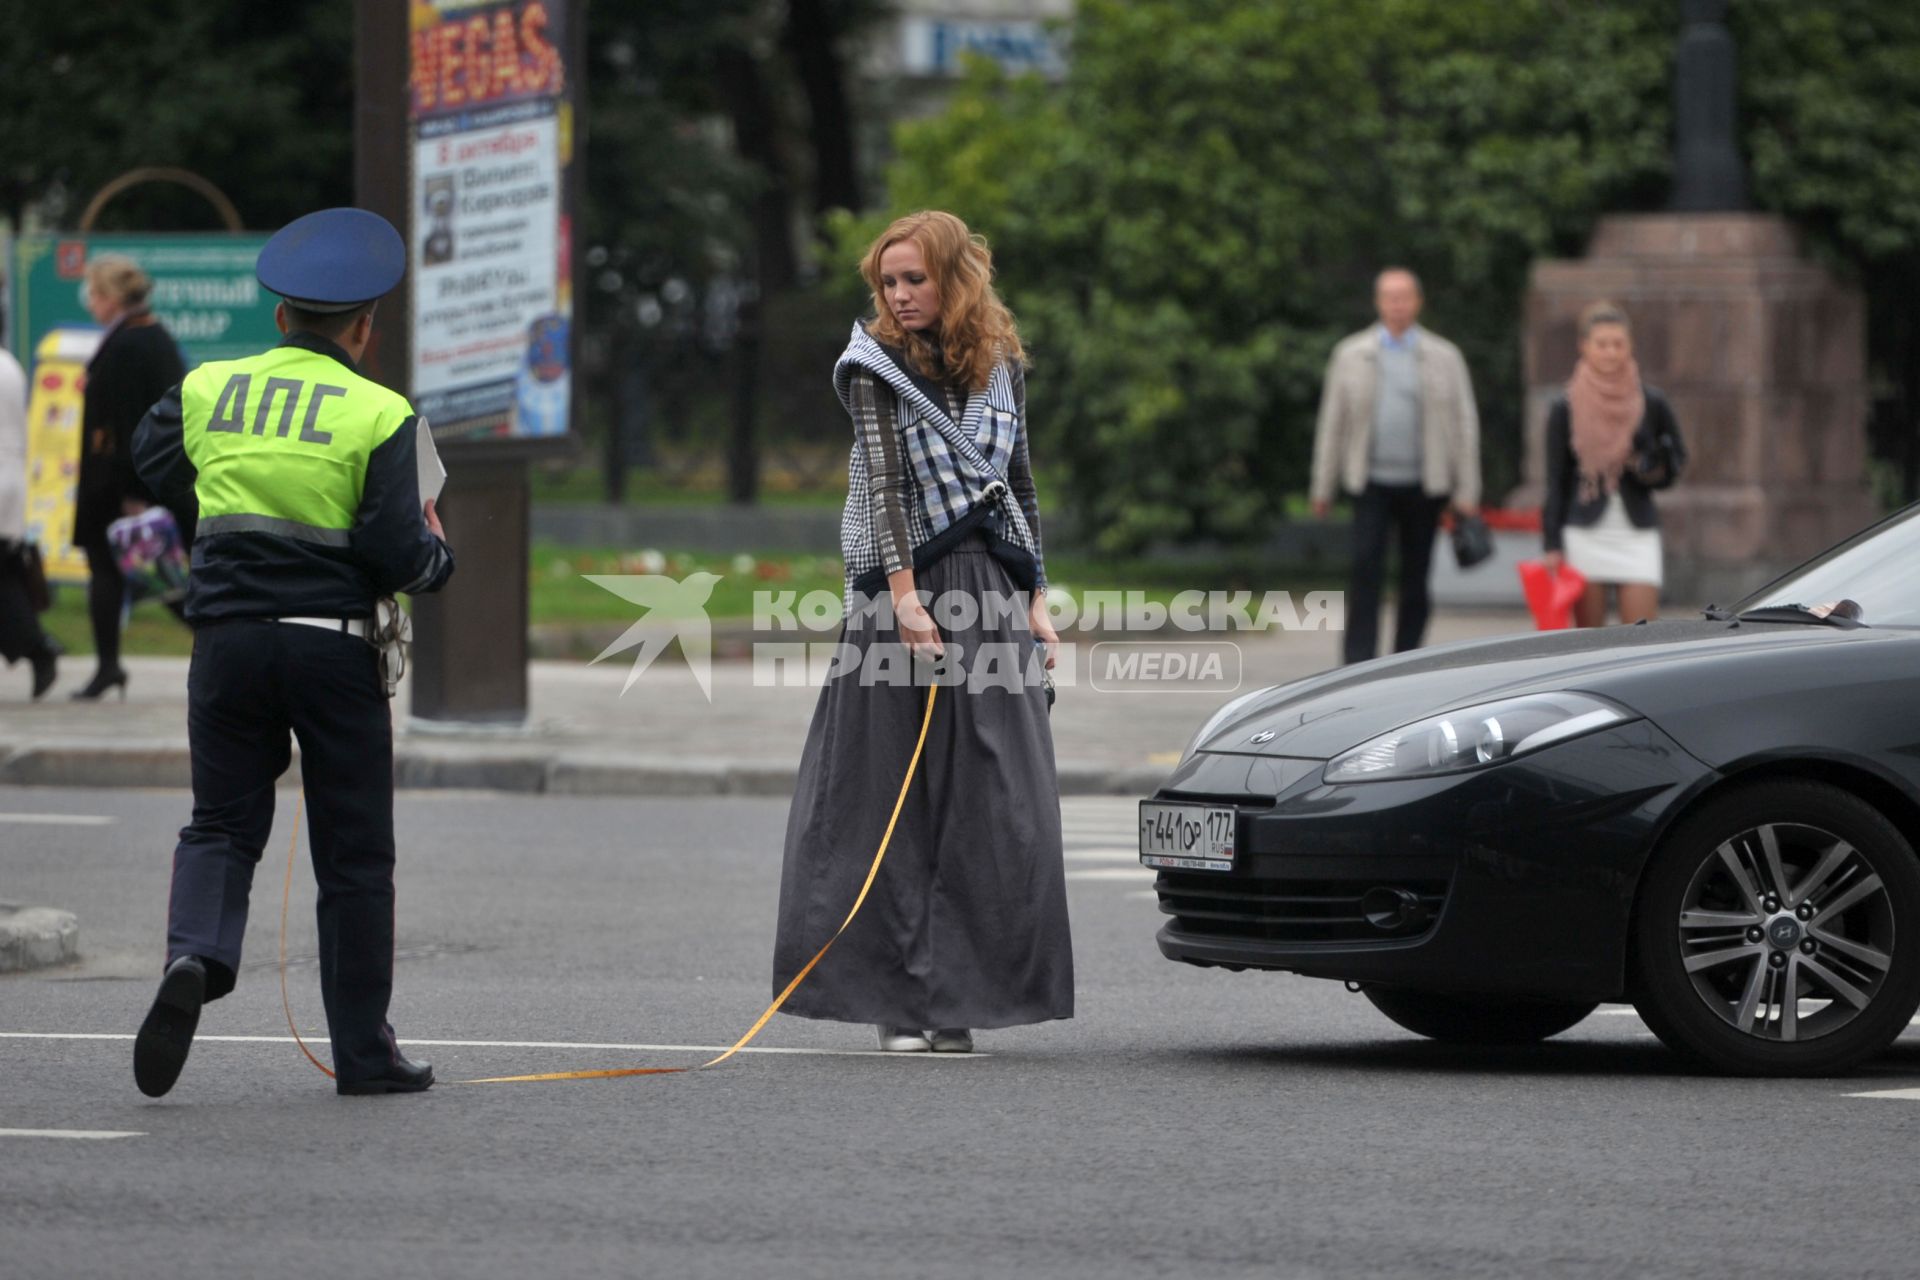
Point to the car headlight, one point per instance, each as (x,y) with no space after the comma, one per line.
(1474,737)
(1220,717)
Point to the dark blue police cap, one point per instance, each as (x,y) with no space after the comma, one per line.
(333,260)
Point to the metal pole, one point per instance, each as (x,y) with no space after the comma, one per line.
(1707,174)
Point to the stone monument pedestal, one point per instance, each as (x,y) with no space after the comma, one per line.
(1763,356)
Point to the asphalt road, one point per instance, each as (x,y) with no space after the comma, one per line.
(1186,1123)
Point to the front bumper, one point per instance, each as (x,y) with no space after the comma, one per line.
(1513,880)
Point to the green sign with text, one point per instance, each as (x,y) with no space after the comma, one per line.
(204,291)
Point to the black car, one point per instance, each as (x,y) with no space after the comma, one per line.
(1714,819)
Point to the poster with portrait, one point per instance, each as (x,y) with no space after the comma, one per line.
(491,119)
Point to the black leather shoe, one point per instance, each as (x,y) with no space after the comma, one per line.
(46,666)
(160,1050)
(401,1077)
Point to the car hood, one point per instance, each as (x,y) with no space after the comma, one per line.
(1321,716)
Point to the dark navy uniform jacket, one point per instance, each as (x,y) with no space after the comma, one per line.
(306,479)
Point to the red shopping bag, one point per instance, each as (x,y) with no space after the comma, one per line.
(1551,595)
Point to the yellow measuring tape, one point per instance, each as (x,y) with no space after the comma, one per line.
(286,892)
(873,873)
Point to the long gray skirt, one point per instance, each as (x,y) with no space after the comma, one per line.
(966,925)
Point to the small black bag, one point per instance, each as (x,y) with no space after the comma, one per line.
(32,568)
(1472,542)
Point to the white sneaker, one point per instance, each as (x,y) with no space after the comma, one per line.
(953,1040)
(903,1039)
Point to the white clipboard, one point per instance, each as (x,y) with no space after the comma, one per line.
(433,472)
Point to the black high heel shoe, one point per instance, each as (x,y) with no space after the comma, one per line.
(46,667)
(101,682)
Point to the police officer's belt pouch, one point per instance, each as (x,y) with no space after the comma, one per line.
(391,633)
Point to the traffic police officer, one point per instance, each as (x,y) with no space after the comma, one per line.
(306,480)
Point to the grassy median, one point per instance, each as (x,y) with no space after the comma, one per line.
(562,594)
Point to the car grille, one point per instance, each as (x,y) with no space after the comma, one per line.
(1378,909)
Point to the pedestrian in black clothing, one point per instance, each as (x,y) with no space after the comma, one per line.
(135,365)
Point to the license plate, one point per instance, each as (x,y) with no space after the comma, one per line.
(1186,837)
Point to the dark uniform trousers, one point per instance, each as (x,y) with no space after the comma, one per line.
(251,682)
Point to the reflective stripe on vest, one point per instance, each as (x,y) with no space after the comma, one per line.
(280,442)
(269,524)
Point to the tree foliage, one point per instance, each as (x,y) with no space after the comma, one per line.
(257,98)
(1831,97)
(1189,224)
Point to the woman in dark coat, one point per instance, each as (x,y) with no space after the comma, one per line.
(136,364)
(966,926)
(1611,442)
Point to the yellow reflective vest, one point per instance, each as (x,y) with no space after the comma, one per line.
(304,474)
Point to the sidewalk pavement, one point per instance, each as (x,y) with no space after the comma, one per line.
(583,736)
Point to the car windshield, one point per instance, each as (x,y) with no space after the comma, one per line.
(1878,568)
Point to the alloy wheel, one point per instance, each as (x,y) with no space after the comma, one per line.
(1787,932)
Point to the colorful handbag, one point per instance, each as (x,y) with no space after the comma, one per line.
(152,558)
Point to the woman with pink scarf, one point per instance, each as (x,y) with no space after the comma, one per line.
(1611,441)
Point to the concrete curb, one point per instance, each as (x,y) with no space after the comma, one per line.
(509,767)
(87,763)
(36,938)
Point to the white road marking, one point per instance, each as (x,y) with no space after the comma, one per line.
(1112,873)
(58,819)
(1903,1095)
(508,1044)
(71,1133)
(1628,1011)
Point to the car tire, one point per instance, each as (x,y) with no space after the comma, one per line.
(1778,932)
(1488,1020)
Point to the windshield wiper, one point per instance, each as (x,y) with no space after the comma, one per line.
(1801,613)
(1714,613)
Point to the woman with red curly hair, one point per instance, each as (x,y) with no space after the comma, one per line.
(966,926)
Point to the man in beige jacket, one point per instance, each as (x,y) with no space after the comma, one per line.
(1399,431)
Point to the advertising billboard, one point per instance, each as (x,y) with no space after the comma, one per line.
(491,125)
